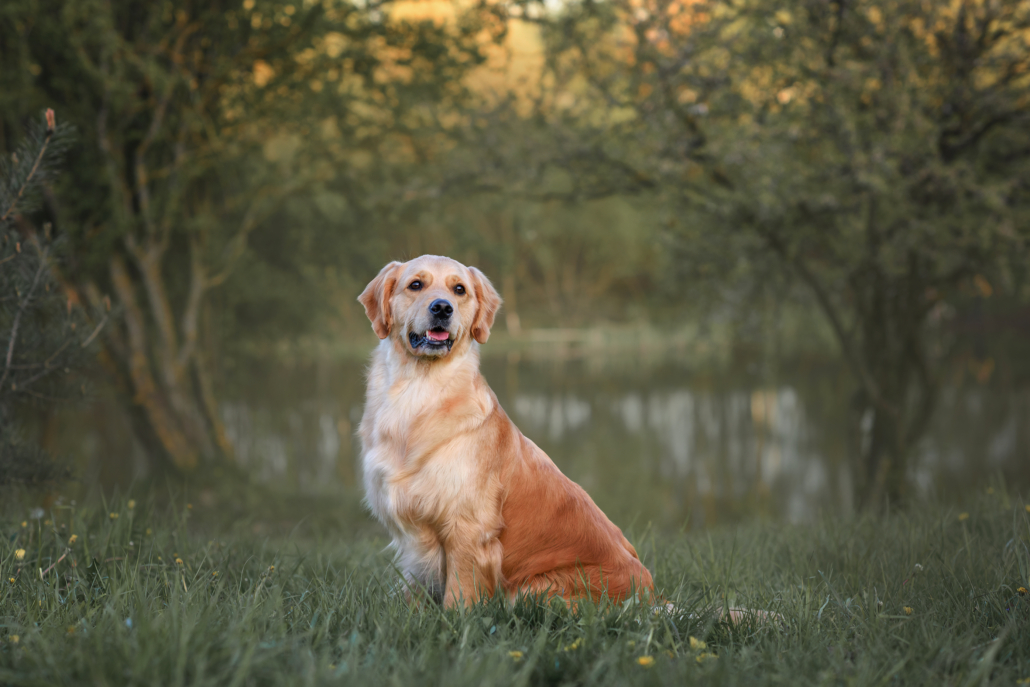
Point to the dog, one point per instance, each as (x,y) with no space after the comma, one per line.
(474,508)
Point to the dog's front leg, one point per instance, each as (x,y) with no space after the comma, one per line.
(474,560)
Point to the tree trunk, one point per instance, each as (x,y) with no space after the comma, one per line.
(168,384)
(884,463)
(895,357)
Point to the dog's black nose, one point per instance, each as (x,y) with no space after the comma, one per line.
(441,308)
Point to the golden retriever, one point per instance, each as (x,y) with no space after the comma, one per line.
(473,506)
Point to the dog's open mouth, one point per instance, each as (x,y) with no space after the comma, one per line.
(434,339)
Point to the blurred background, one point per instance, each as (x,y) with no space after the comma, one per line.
(759,259)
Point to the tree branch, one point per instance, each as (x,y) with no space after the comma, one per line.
(826,305)
(111,161)
(142,180)
(198,285)
(949,151)
(149,264)
(35,167)
(238,244)
(835,37)
(17,317)
(146,391)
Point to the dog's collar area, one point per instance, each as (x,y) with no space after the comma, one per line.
(420,341)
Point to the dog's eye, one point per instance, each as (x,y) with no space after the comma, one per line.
(415,285)
(460,290)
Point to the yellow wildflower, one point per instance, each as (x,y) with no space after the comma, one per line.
(1021,591)
(189,506)
(149,532)
(15,639)
(113,516)
(132,504)
(646,661)
(704,656)
(696,644)
(24,523)
(963,516)
(516,655)
(71,629)
(1027,507)
(575,645)
(11,580)
(908,610)
(19,554)
(178,561)
(72,539)
(271,568)
(214,573)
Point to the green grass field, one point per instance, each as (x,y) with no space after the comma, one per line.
(123,594)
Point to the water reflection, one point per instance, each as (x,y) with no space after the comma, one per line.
(659,444)
(309,448)
(707,452)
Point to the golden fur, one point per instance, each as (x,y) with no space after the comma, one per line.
(473,506)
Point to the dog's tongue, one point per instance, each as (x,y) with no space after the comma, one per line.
(437,336)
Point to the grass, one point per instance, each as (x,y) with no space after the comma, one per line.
(148,596)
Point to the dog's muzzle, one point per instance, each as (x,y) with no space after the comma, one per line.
(436,339)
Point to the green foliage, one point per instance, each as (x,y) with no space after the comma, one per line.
(132,594)
(42,337)
(874,155)
(228,132)
(245,168)
(208,131)
(31,165)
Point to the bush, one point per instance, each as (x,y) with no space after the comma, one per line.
(43,337)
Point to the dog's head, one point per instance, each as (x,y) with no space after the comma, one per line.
(431,304)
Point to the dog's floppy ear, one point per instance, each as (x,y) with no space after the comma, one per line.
(376,299)
(487,302)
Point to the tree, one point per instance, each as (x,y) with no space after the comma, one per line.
(876,152)
(43,339)
(201,123)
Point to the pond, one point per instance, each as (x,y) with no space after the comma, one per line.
(653,437)
(654,440)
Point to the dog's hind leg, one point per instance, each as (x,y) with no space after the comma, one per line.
(589,582)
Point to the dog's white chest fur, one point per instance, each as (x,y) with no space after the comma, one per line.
(414,475)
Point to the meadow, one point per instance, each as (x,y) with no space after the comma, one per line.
(130,593)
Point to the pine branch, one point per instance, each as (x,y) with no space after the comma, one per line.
(17,318)
(38,336)
(50,129)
